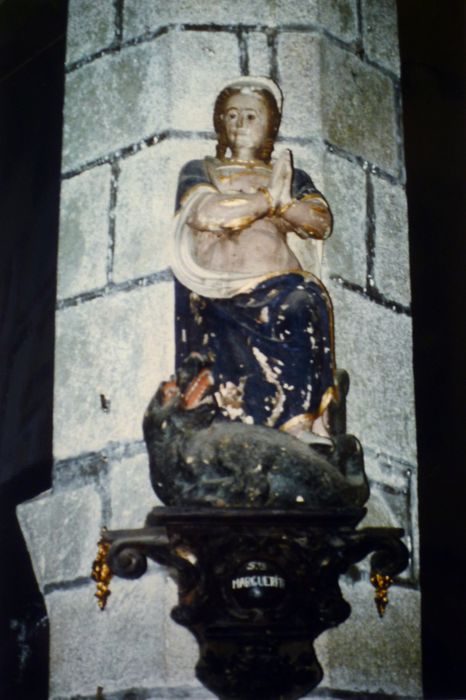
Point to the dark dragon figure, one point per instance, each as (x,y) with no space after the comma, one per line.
(199,458)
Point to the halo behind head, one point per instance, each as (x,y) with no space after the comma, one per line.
(255,83)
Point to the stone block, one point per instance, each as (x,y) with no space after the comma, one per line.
(199,64)
(119,346)
(113,102)
(300,80)
(131,493)
(391,266)
(146,204)
(152,15)
(387,508)
(339,17)
(91,27)
(374,345)
(368,654)
(185,693)
(121,647)
(61,531)
(380,33)
(120,99)
(388,470)
(358,107)
(181,649)
(345,190)
(84,232)
(258,53)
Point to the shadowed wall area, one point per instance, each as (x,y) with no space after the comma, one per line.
(32,49)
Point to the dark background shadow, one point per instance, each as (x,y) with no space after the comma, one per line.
(31,97)
(32,50)
(433,84)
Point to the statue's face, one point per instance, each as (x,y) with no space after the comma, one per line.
(246,122)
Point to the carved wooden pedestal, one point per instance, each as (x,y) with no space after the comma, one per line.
(256,587)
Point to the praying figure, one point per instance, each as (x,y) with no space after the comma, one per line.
(242,297)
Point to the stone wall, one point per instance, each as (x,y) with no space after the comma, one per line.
(141,79)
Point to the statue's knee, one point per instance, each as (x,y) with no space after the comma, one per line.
(297,306)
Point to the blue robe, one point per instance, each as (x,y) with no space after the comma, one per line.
(271,347)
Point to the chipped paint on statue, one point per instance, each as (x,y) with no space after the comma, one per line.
(254,331)
(242,296)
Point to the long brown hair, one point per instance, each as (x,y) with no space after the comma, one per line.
(265,152)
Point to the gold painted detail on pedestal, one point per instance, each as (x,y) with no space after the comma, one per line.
(381,584)
(101,573)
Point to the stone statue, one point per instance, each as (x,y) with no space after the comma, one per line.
(242,295)
(247,422)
